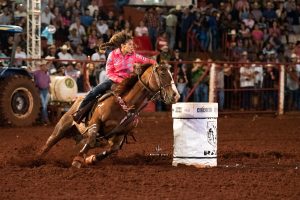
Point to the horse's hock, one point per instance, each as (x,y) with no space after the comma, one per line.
(195,134)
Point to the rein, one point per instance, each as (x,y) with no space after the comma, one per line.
(133,116)
(158,82)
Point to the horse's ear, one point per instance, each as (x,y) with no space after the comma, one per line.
(140,69)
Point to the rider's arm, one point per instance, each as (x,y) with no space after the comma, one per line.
(143,60)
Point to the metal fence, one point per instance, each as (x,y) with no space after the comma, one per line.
(237,87)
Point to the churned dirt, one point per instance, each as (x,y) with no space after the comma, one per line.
(258,158)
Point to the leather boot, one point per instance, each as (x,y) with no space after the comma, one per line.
(78,116)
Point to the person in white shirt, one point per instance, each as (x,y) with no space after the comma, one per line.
(47,16)
(102,28)
(141,30)
(64,55)
(20,55)
(99,56)
(247,79)
(102,75)
(93,7)
(80,30)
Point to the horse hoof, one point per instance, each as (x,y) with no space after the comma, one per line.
(91,160)
(78,162)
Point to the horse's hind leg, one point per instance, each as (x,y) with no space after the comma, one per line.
(64,124)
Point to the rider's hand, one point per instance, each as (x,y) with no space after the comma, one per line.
(137,69)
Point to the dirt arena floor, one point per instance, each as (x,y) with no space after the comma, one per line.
(258,158)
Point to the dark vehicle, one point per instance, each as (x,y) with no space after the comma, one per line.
(19,97)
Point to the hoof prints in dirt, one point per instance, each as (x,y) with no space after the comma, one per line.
(139,159)
(270,154)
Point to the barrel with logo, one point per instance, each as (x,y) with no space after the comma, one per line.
(195,134)
(63,88)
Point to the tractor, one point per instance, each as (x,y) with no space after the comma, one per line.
(19,97)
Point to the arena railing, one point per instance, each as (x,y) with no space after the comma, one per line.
(224,87)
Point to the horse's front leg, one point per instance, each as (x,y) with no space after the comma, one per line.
(116,144)
(90,141)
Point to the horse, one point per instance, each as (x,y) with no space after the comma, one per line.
(115,115)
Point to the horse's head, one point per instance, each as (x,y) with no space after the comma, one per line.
(160,81)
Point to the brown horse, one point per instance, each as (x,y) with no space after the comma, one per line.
(114,117)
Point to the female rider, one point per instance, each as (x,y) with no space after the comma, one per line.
(119,66)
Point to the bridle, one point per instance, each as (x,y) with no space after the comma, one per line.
(161,93)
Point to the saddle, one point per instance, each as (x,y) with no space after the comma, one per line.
(87,110)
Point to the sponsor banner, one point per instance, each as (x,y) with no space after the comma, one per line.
(195,110)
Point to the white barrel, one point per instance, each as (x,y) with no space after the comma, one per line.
(63,88)
(195,134)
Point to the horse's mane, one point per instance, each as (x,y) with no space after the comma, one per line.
(123,87)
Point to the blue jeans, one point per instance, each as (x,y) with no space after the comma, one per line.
(153,35)
(171,33)
(221,98)
(201,93)
(95,92)
(44,95)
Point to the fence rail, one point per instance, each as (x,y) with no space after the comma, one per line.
(271,88)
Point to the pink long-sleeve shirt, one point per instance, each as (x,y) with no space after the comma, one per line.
(119,66)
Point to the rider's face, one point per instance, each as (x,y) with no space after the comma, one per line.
(128,47)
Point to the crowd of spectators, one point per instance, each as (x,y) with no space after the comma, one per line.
(243,30)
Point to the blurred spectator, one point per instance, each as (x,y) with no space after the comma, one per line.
(162,41)
(141,30)
(269,13)
(247,77)
(257,36)
(151,20)
(92,39)
(165,55)
(92,74)
(93,7)
(67,18)
(74,38)
(228,84)
(111,19)
(220,86)
(182,86)
(80,30)
(187,20)
(71,71)
(78,54)
(20,54)
(256,12)
(201,91)
(99,56)
(178,58)
(46,17)
(83,83)
(20,11)
(102,75)
(64,55)
(3,63)
(102,27)
(127,28)
(86,19)
(270,81)
(292,84)
(171,23)
(42,81)
(5,17)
